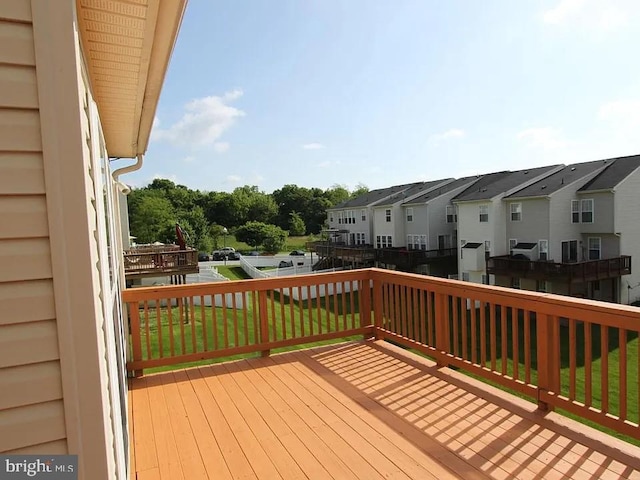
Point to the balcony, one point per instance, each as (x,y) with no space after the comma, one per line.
(402,258)
(578,272)
(375,407)
(159,261)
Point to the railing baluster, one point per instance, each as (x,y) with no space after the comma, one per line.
(572,359)
(172,351)
(327,309)
(134,315)
(309,309)
(234,315)
(318,309)
(492,335)
(504,354)
(344,305)
(203,318)
(483,334)
(147,332)
(474,334)
(301,310)
(292,317)
(423,308)
(378,307)
(283,318)
(604,368)
(622,374)
(214,318)
(225,321)
(588,346)
(527,347)
(159,322)
(515,335)
(192,312)
(415,314)
(272,303)
(352,299)
(256,318)
(455,301)
(245,320)
(336,317)
(182,319)
(264,321)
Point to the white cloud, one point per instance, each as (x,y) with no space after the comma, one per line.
(173,178)
(203,123)
(592,14)
(221,147)
(233,179)
(450,134)
(188,159)
(313,146)
(624,112)
(546,138)
(328,163)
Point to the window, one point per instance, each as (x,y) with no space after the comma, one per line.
(378,241)
(515,282)
(387,214)
(586,207)
(485,279)
(384,241)
(543,248)
(451,214)
(570,251)
(340,217)
(331,217)
(516,212)
(543,286)
(575,211)
(423,242)
(594,248)
(363,215)
(512,243)
(487,246)
(484,213)
(465,276)
(409,214)
(410,242)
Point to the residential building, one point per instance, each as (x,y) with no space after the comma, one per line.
(431,223)
(352,221)
(390,218)
(572,233)
(79,84)
(481,213)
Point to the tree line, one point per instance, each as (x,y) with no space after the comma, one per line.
(254,216)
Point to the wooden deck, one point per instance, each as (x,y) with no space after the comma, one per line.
(353,410)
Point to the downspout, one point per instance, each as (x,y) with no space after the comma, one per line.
(128,169)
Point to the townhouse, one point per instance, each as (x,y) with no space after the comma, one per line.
(390,217)
(351,223)
(574,232)
(481,211)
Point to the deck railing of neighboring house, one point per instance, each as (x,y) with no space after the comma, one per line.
(165,260)
(570,272)
(577,355)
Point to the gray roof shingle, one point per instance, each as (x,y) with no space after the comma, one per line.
(618,169)
(411,191)
(371,197)
(460,182)
(559,180)
(494,184)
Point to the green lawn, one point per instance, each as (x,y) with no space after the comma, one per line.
(291,243)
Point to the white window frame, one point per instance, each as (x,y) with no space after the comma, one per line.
(583,210)
(515,210)
(575,211)
(363,215)
(330,217)
(465,277)
(483,211)
(340,217)
(423,242)
(409,214)
(387,215)
(543,248)
(598,249)
(451,214)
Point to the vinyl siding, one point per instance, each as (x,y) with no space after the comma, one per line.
(32,416)
(628,226)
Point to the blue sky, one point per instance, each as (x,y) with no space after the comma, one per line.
(323,92)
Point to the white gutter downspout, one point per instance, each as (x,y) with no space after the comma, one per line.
(129,168)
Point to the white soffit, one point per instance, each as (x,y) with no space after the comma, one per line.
(127,46)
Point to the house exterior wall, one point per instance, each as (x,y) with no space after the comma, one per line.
(560,226)
(603,212)
(626,224)
(32,413)
(59,283)
(470,229)
(420,224)
(359,225)
(382,227)
(534,225)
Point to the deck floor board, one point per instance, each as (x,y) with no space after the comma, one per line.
(360,410)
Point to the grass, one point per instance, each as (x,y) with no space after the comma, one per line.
(232,273)
(291,243)
(287,318)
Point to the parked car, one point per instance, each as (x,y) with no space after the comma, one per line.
(297,253)
(227,250)
(233,256)
(285,264)
(253,254)
(217,256)
(203,257)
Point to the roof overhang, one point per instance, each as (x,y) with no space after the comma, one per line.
(127,47)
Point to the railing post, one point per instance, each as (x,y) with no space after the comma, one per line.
(136,342)
(365,302)
(378,307)
(441,319)
(547,358)
(264,321)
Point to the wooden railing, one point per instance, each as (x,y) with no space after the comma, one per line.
(577,355)
(169,261)
(569,272)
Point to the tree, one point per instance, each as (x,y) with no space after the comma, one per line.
(297,227)
(195,224)
(152,217)
(361,189)
(271,237)
(337,194)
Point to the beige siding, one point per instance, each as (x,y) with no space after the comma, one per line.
(31,408)
(32,425)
